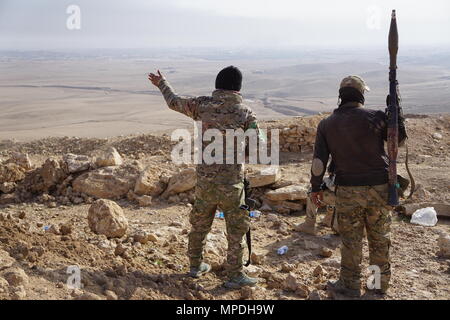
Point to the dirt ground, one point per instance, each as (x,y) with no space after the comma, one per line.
(157,269)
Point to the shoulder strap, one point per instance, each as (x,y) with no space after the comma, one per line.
(411,178)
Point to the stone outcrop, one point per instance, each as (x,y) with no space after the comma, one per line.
(11,172)
(299,135)
(77,163)
(109,158)
(106,217)
(53,173)
(148,183)
(108,182)
(294,192)
(264,177)
(181,182)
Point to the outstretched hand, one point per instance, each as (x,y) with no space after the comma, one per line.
(155,78)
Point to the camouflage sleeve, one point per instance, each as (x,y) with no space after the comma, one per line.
(186,106)
(320,160)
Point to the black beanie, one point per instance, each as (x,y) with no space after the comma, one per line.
(229,78)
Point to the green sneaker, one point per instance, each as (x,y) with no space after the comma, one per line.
(336,286)
(197,272)
(240,280)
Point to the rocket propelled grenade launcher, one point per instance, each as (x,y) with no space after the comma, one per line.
(392,113)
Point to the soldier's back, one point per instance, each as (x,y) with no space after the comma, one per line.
(223,111)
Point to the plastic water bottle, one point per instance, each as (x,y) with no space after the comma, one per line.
(220,215)
(283,250)
(255,214)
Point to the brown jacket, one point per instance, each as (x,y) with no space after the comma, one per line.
(354,137)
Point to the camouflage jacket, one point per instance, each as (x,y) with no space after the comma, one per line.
(223,110)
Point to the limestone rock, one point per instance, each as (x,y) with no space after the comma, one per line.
(4,285)
(11,172)
(437,136)
(111,295)
(287,267)
(120,249)
(148,183)
(8,198)
(318,271)
(444,246)
(274,280)
(6,260)
(52,173)
(310,245)
(109,182)
(141,237)
(442,209)
(283,183)
(284,206)
(107,218)
(253,271)
(77,163)
(22,160)
(7,187)
(18,293)
(14,169)
(109,158)
(264,177)
(257,258)
(15,277)
(325,252)
(421,194)
(89,296)
(302,291)
(152,238)
(332,262)
(295,192)
(65,229)
(290,283)
(145,201)
(181,182)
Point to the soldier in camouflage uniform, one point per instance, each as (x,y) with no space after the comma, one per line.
(218,185)
(354,136)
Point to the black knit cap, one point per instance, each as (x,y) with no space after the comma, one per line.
(229,78)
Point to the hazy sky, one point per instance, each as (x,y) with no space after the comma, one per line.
(41,24)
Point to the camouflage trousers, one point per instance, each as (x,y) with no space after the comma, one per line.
(229,198)
(358,208)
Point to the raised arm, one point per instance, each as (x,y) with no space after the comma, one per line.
(186,106)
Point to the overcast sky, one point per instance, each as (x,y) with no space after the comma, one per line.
(42,24)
